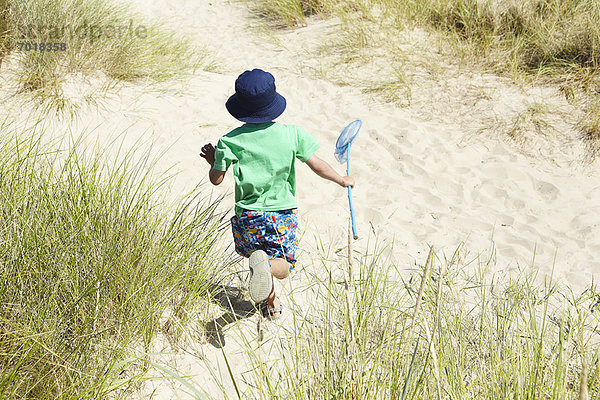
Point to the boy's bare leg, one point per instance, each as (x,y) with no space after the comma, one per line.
(280,269)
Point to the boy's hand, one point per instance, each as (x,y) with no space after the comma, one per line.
(347,181)
(208,153)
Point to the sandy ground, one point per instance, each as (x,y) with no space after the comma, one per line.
(420,180)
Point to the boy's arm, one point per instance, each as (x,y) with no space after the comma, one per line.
(208,153)
(325,171)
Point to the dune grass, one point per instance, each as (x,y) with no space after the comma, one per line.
(291,12)
(90,260)
(4,27)
(552,41)
(459,337)
(91,38)
(590,125)
(540,36)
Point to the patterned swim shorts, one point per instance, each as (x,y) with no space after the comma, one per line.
(271,231)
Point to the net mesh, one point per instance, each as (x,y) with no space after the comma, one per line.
(342,146)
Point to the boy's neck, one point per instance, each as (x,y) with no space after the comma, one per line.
(262,123)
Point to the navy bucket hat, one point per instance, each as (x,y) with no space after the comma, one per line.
(255,100)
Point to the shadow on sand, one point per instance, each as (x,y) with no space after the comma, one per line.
(231,299)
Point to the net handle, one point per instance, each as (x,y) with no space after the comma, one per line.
(353,219)
(354,234)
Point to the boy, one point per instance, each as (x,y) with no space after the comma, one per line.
(263,155)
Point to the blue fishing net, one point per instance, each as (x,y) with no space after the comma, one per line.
(342,146)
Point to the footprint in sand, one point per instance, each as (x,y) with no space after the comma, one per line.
(373,216)
(515,203)
(493,191)
(448,187)
(594,193)
(495,171)
(547,190)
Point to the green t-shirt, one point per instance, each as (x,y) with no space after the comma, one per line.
(263,158)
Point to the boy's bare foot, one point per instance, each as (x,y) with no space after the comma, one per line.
(273,306)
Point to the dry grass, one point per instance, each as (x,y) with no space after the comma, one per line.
(539,35)
(4,28)
(553,42)
(590,127)
(90,260)
(461,337)
(90,38)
